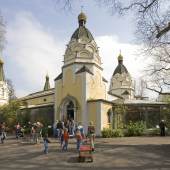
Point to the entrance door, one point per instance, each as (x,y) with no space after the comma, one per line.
(70,111)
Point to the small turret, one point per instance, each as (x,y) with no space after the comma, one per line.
(121,82)
(120,69)
(47,83)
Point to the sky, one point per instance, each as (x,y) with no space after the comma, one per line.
(39,30)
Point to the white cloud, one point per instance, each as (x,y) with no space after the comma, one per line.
(34,52)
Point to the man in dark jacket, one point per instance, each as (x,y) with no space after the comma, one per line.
(162,127)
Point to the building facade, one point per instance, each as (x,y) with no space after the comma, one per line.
(81,93)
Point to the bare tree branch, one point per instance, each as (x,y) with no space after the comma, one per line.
(163,31)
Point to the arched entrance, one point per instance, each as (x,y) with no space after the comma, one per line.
(68,108)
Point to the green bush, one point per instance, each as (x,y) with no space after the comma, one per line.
(118,133)
(135,129)
(109,133)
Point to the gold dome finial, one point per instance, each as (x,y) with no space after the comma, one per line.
(120,57)
(82,17)
(1,61)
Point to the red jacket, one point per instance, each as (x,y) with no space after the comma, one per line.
(66,136)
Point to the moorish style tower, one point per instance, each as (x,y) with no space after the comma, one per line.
(81,77)
(4,91)
(121,81)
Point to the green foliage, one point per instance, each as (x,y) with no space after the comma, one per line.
(118,133)
(109,133)
(135,128)
(8,113)
(24,117)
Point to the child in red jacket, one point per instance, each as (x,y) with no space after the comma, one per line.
(66,138)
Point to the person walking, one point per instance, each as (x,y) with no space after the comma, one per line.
(91,134)
(79,139)
(2,132)
(162,127)
(60,128)
(66,138)
(61,138)
(46,141)
(33,133)
(81,128)
(18,130)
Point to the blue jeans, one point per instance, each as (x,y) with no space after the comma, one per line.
(45,147)
(65,145)
(78,144)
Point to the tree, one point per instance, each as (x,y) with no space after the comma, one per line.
(12,95)
(153,15)
(8,113)
(140,87)
(153,30)
(158,70)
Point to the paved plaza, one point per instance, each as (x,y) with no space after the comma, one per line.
(141,153)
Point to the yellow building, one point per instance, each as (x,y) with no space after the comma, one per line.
(80,91)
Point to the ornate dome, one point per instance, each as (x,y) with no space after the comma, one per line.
(82,31)
(120,68)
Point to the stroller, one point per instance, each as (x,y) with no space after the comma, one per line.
(85,151)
